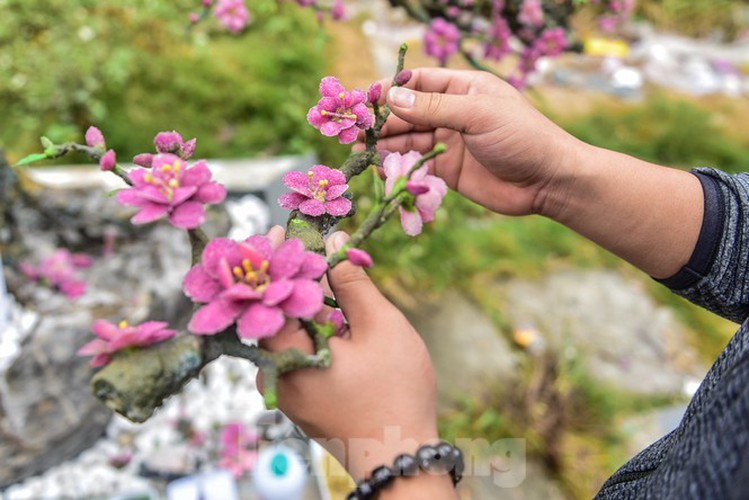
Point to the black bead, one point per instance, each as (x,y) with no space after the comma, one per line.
(381,477)
(405,465)
(426,456)
(446,462)
(364,490)
(352,496)
(460,465)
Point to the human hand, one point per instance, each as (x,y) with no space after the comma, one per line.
(381,379)
(501,152)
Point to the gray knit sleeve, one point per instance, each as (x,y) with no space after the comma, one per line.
(716,276)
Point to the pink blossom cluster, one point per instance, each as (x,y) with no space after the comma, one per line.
(337,9)
(318,192)
(59,272)
(172,189)
(441,40)
(237,448)
(250,284)
(113,338)
(427,190)
(232,14)
(339,112)
(167,143)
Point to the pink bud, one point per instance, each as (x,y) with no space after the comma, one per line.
(94,138)
(207,3)
(416,188)
(403,77)
(143,160)
(167,142)
(359,257)
(374,93)
(193,17)
(338,12)
(108,161)
(188,148)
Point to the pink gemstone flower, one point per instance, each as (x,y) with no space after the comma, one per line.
(172,142)
(173,190)
(441,40)
(339,112)
(431,188)
(58,271)
(232,14)
(531,13)
(113,338)
(250,284)
(238,450)
(316,193)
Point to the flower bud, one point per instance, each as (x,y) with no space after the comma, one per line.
(403,77)
(374,93)
(193,17)
(359,257)
(338,11)
(416,188)
(143,160)
(167,142)
(108,161)
(188,148)
(94,138)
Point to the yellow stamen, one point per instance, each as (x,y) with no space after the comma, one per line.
(166,168)
(238,272)
(264,266)
(177,166)
(322,183)
(323,112)
(341,95)
(250,276)
(247,266)
(122,325)
(148,178)
(173,183)
(310,173)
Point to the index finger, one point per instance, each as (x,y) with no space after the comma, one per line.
(441,80)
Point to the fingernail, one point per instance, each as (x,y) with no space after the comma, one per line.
(339,239)
(403,98)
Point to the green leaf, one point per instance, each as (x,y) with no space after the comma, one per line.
(378,184)
(32,158)
(110,194)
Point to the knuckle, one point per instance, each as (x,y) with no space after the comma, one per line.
(434,103)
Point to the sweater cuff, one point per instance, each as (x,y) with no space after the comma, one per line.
(709,240)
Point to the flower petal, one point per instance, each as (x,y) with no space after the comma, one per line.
(239,292)
(411,222)
(348,135)
(197,175)
(313,267)
(200,286)
(181,194)
(149,213)
(305,300)
(330,86)
(211,193)
(277,292)
(214,317)
(338,207)
(287,260)
(260,321)
(297,181)
(330,128)
(312,207)
(291,201)
(96,346)
(188,215)
(335,191)
(104,329)
(130,196)
(219,248)
(262,244)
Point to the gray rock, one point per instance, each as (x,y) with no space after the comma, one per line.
(625,338)
(468,351)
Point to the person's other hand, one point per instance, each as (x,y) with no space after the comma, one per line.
(502,152)
(381,377)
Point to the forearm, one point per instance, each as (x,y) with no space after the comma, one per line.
(646,214)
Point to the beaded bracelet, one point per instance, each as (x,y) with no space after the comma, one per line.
(436,460)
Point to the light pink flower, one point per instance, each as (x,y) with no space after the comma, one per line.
(551,43)
(318,192)
(339,112)
(499,34)
(171,142)
(250,284)
(113,338)
(433,189)
(359,257)
(531,13)
(173,190)
(94,138)
(441,40)
(58,272)
(232,14)
(108,161)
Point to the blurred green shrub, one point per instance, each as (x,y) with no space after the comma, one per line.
(129,67)
(724,18)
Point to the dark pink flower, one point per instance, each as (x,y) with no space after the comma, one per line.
(113,338)
(172,189)
(374,93)
(403,77)
(441,40)
(431,188)
(232,14)
(58,271)
(339,112)
(551,43)
(531,13)
(94,138)
(359,257)
(108,161)
(316,193)
(250,284)
(338,11)
(499,34)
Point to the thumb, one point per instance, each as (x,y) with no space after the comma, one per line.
(358,297)
(434,109)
